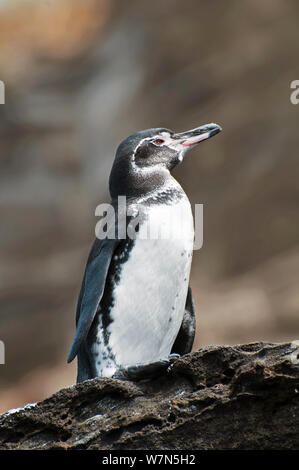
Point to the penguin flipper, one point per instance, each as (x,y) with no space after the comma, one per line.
(92,289)
(185,337)
(85,370)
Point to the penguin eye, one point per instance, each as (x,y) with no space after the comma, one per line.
(159,141)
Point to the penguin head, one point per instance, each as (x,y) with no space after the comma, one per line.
(144,160)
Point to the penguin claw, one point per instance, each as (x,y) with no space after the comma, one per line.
(173,357)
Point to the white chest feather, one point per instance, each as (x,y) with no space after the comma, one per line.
(150,297)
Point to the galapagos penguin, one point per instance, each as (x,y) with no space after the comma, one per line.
(135,311)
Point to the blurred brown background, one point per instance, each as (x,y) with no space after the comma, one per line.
(80,76)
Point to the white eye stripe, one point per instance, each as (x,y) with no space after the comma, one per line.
(165,136)
(150,139)
(140,143)
(167,141)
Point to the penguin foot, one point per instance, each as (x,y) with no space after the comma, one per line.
(146,371)
(172,358)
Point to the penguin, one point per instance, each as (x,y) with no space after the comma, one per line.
(135,313)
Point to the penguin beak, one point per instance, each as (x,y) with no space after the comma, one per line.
(194,136)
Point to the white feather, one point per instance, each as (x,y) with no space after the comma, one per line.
(150,298)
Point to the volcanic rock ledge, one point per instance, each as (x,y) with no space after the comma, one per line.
(220,397)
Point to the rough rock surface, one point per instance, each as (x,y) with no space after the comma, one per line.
(221,397)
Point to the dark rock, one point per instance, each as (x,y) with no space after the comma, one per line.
(221,397)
